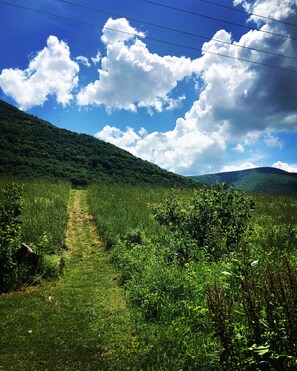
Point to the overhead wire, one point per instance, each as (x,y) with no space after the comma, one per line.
(149,38)
(177,30)
(247,12)
(218,19)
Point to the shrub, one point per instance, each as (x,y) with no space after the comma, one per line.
(215,218)
(50,266)
(10,229)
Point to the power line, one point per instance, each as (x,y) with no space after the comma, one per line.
(152,39)
(178,31)
(250,13)
(218,19)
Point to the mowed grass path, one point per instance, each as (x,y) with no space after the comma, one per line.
(80,322)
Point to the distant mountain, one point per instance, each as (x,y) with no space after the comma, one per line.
(33,148)
(265,179)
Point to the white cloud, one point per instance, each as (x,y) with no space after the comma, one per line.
(244,166)
(276,9)
(284,166)
(124,139)
(185,149)
(97,58)
(273,142)
(83,60)
(130,76)
(239,148)
(50,72)
(125,31)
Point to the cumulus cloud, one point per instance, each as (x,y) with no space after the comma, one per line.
(238,102)
(83,60)
(130,76)
(275,9)
(124,139)
(97,58)
(177,150)
(50,72)
(285,166)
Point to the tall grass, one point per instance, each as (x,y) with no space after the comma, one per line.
(275,209)
(170,299)
(39,219)
(44,211)
(175,326)
(44,214)
(122,209)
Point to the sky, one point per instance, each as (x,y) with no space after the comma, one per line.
(194,86)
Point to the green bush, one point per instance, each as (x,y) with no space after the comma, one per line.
(215,218)
(10,232)
(50,266)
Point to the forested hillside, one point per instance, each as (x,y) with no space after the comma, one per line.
(265,179)
(31,147)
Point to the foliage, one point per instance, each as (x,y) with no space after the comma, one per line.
(10,228)
(50,266)
(215,218)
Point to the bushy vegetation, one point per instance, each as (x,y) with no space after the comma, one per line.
(34,214)
(10,229)
(213,280)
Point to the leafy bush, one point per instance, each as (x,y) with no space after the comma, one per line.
(215,218)
(50,266)
(10,229)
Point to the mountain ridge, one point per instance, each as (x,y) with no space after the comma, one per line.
(260,179)
(33,148)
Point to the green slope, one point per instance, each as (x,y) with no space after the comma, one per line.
(30,147)
(264,179)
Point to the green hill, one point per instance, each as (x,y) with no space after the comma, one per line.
(33,148)
(265,179)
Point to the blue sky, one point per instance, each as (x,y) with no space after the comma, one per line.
(193,109)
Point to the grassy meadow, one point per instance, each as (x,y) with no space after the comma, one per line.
(210,275)
(235,312)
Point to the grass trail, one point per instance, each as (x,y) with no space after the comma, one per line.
(80,322)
